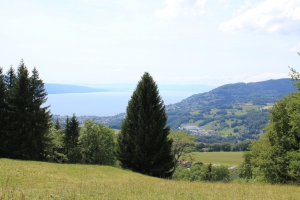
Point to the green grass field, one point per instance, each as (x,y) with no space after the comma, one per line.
(222,158)
(39,180)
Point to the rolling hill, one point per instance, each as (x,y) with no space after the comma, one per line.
(231,113)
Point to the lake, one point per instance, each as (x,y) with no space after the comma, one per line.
(102,103)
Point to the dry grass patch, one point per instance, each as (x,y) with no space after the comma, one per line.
(38,180)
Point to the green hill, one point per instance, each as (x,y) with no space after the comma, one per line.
(39,180)
(237,111)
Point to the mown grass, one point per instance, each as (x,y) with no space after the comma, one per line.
(222,158)
(39,180)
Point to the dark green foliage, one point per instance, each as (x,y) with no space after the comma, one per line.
(210,173)
(143,144)
(181,173)
(203,173)
(245,169)
(275,158)
(3,114)
(241,146)
(73,131)
(57,125)
(67,136)
(55,147)
(71,140)
(8,81)
(225,146)
(28,123)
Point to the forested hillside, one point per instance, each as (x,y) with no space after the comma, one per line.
(238,111)
(229,113)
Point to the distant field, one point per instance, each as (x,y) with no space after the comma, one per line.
(39,180)
(222,158)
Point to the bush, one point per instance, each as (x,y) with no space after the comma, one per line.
(181,173)
(203,173)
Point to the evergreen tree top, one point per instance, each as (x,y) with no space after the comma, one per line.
(143,144)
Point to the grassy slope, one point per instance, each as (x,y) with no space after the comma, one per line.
(38,180)
(223,158)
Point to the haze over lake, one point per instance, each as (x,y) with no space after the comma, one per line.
(102,103)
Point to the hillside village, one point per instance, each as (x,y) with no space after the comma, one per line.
(197,131)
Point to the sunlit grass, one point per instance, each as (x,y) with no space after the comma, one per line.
(222,158)
(38,180)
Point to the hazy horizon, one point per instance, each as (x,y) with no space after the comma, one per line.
(179,42)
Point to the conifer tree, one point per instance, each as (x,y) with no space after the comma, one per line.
(8,80)
(71,133)
(3,109)
(74,131)
(143,144)
(28,121)
(57,125)
(67,136)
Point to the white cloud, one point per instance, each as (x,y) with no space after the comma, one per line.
(269,16)
(177,7)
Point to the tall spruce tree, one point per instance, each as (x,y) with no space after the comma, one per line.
(143,144)
(9,79)
(71,133)
(57,125)
(74,131)
(3,108)
(28,122)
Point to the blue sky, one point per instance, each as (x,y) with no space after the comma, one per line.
(97,42)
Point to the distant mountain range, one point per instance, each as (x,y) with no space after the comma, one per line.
(259,93)
(53,88)
(232,112)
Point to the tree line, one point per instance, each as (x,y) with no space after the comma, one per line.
(144,143)
(24,122)
(27,131)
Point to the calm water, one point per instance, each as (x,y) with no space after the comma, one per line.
(101,103)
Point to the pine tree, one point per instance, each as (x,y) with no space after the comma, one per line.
(143,144)
(3,108)
(40,117)
(71,133)
(67,136)
(8,80)
(28,121)
(74,131)
(57,125)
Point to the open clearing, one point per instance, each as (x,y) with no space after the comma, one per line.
(222,158)
(40,180)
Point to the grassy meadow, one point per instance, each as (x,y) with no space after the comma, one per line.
(222,158)
(40,180)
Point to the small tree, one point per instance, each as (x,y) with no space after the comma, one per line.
(275,157)
(143,144)
(182,143)
(57,125)
(97,143)
(73,131)
(71,140)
